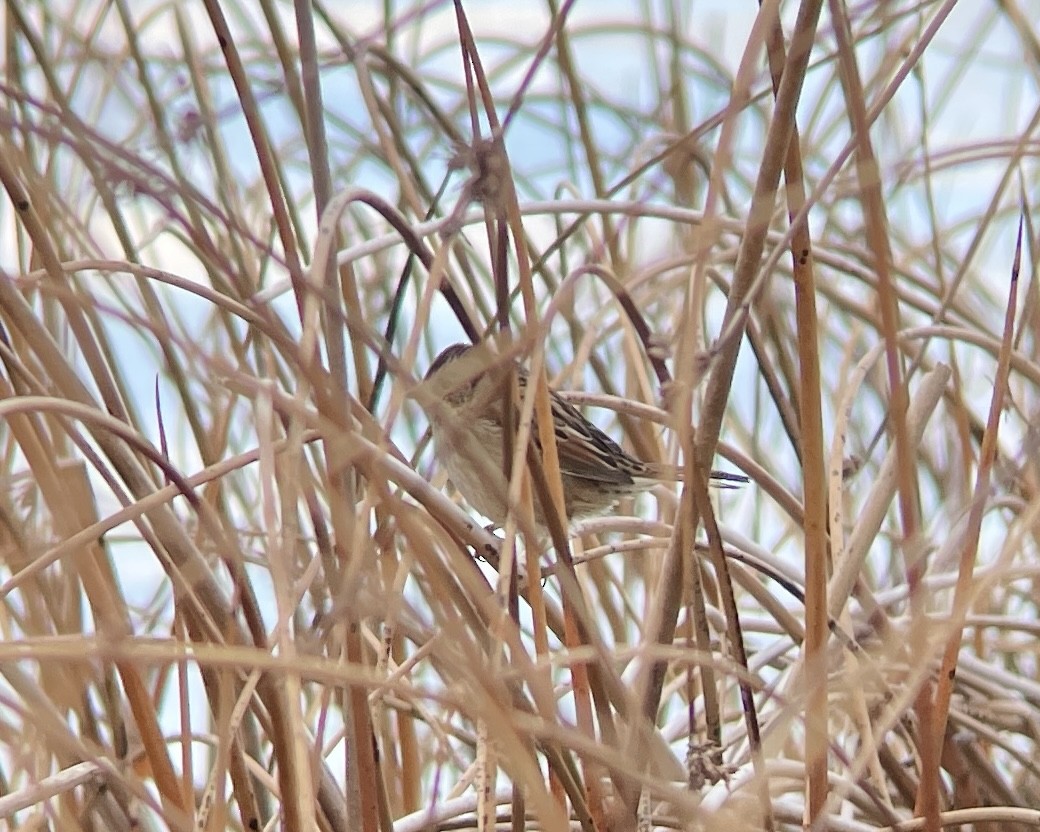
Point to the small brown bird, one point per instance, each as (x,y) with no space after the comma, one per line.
(467,396)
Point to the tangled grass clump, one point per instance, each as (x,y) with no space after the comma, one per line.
(238,591)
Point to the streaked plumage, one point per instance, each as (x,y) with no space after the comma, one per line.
(467,435)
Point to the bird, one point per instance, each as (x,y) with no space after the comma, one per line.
(465,396)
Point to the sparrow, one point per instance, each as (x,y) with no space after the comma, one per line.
(466,395)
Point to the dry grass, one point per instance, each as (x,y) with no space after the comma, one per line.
(237,592)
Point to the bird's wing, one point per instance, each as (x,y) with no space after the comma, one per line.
(584,450)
